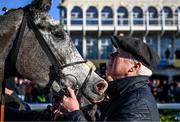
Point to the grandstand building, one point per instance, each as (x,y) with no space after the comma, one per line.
(91,23)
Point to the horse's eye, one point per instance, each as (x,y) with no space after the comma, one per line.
(58,34)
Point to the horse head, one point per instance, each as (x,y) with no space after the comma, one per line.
(33,62)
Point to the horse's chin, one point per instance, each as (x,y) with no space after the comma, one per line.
(93,96)
(98,98)
(87,100)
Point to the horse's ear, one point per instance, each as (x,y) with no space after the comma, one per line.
(34,2)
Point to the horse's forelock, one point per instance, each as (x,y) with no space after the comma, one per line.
(41,5)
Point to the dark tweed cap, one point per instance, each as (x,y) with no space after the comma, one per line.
(140,50)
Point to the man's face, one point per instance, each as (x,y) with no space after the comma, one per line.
(119,64)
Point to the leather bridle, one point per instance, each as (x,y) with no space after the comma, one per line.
(56,68)
(59,88)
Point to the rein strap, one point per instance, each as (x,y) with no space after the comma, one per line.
(42,42)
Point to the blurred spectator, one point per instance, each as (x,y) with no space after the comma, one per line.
(28,93)
(11,97)
(177,92)
(35,93)
(172,92)
(165,93)
(167,53)
(156,89)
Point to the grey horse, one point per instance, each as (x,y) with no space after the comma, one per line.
(33,62)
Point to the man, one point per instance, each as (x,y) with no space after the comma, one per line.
(127,74)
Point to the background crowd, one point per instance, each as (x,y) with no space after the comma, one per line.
(164,91)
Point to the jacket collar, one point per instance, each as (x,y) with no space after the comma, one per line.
(122,85)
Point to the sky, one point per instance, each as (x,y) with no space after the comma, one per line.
(54,12)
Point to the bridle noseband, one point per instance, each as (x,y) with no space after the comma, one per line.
(58,87)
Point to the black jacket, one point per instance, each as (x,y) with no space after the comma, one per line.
(130,100)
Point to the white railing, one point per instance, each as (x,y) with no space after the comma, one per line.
(38,106)
(126,21)
(168,105)
(154,21)
(123,22)
(170,22)
(92,21)
(35,106)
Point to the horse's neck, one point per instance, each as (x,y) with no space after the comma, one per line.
(9,25)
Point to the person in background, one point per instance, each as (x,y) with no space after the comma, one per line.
(12,91)
(128,71)
(167,55)
(16,109)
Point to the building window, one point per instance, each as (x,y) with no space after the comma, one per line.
(78,43)
(177,13)
(122,15)
(152,12)
(137,12)
(76,16)
(168,12)
(153,16)
(107,16)
(152,42)
(92,16)
(138,16)
(168,16)
(166,43)
(106,48)
(92,49)
(177,51)
(89,15)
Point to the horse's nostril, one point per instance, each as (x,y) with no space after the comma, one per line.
(101,87)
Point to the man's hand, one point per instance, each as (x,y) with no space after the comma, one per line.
(70,103)
(67,104)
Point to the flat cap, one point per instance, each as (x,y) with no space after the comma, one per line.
(140,50)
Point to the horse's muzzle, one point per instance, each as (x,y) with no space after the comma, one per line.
(101,86)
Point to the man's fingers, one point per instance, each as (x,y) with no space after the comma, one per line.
(58,114)
(109,78)
(71,92)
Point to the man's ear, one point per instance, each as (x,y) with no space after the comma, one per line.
(136,67)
